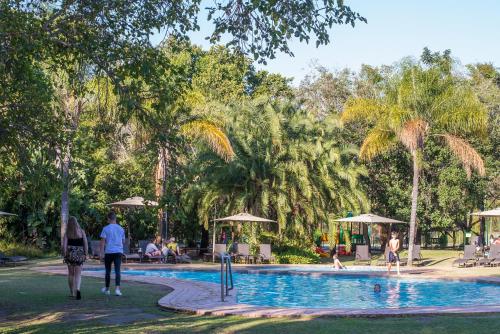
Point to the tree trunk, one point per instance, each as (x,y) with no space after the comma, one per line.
(414,199)
(65,177)
(161,189)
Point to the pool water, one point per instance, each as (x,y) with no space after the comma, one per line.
(279,289)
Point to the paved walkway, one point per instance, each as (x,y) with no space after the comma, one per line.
(204,298)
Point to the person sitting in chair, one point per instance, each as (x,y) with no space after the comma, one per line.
(172,248)
(152,249)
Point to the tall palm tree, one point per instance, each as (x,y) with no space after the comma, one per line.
(416,104)
(182,131)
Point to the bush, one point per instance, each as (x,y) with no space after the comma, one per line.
(18,249)
(295,255)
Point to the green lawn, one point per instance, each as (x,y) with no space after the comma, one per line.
(38,303)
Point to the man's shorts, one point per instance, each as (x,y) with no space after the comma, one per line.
(393,257)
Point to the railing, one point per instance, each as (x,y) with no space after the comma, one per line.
(225,268)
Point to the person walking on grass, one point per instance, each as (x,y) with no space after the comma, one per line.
(393,252)
(75,251)
(112,240)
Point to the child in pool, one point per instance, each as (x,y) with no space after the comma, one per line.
(336,262)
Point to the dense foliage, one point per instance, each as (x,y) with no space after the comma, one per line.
(91,113)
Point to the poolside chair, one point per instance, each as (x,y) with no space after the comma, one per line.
(468,258)
(14,260)
(362,256)
(95,249)
(382,261)
(266,254)
(243,252)
(417,256)
(127,256)
(219,248)
(493,258)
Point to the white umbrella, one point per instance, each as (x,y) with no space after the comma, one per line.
(370,218)
(240,217)
(489,213)
(6,214)
(133,202)
(244,217)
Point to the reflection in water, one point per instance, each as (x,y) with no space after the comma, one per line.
(394,294)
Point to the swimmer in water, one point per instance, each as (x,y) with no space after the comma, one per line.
(376,288)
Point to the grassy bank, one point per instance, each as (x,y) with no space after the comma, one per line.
(39,303)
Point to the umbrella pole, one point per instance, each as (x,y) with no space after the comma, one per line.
(213,245)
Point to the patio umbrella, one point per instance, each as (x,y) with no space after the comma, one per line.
(370,218)
(241,218)
(6,214)
(132,203)
(488,213)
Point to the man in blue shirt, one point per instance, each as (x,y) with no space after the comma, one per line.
(112,239)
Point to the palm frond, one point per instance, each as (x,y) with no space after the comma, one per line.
(361,109)
(212,134)
(377,142)
(412,134)
(471,160)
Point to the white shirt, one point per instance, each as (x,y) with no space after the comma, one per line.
(114,235)
(150,248)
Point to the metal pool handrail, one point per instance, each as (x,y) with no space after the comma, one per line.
(225,267)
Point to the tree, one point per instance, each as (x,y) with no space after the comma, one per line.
(421,102)
(287,166)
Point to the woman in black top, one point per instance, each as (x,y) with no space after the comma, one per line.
(75,250)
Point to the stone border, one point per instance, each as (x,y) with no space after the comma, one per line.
(203,298)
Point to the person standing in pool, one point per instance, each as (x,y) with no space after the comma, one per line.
(393,252)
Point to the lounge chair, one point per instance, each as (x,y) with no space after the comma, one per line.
(266,254)
(4,259)
(382,261)
(219,248)
(95,249)
(362,256)
(417,256)
(493,258)
(468,258)
(243,252)
(127,256)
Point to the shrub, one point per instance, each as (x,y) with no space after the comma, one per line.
(14,248)
(295,255)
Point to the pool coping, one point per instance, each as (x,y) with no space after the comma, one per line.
(203,298)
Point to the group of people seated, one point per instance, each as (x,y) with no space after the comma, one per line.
(166,248)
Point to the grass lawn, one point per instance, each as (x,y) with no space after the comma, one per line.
(38,303)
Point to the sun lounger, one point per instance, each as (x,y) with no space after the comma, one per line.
(243,252)
(12,259)
(127,256)
(493,258)
(468,258)
(95,249)
(265,253)
(362,255)
(417,256)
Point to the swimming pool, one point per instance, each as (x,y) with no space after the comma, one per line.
(280,289)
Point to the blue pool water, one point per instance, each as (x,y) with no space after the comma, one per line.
(314,290)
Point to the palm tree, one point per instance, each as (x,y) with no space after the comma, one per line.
(416,104)
(288,166)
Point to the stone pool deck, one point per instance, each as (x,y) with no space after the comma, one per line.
(204,298)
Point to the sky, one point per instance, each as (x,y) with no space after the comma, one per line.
(395,29)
